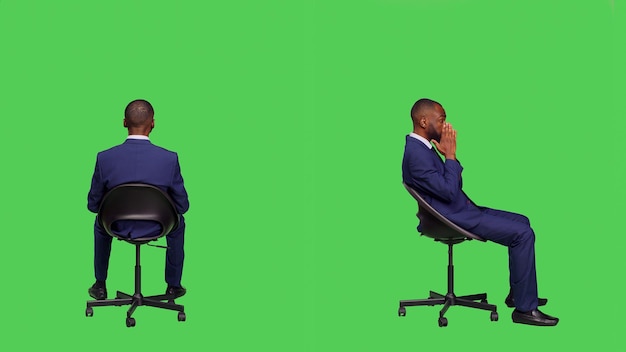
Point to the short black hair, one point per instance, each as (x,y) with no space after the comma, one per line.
(420,106)
(138,113)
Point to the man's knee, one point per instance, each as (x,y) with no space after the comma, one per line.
(527,235)
(525,219)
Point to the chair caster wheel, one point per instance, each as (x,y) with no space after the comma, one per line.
(494,316)
(89,312)
(182,316)
(130,322)
(402,312)
(443,322)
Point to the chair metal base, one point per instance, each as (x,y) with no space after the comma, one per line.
(137,299)
(477,301)
(448,301)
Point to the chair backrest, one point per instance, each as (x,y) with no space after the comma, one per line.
(435,225)
(138,201)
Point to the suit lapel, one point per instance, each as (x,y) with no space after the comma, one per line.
(438,162)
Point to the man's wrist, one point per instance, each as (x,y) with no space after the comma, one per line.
(451,156)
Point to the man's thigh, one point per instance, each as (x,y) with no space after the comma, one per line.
(502,228)
(506,214)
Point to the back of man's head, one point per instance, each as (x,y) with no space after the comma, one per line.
(138,113)
(421,106)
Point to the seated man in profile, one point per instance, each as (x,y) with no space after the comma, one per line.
(137,160)
(440,184)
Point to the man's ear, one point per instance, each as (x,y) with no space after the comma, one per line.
(125,124)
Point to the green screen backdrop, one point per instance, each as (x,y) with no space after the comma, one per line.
(289,118)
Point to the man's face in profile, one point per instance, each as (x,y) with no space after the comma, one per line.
(435,119)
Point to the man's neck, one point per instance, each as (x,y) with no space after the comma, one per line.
(422,139)
(421,133)
(138,133)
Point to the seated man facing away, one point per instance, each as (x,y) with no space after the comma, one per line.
(440,184)
(137,160)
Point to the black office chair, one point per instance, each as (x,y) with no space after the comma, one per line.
(436,226)
(136,201)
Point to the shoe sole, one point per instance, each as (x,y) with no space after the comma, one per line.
(534,323)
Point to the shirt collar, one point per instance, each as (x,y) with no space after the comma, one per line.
(138,136)
(421,139)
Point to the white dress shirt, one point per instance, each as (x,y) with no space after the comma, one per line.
(138,136)
(421,139)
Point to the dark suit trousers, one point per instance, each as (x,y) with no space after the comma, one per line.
(174,256)
(514,231)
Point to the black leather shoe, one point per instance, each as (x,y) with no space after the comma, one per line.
(98,291)
(534,317)
(510,301)
(175,291)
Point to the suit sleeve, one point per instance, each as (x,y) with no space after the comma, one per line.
(178,191)
(444,186)
(96,192)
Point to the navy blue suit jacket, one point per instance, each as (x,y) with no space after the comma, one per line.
(137,161)
(439,182)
